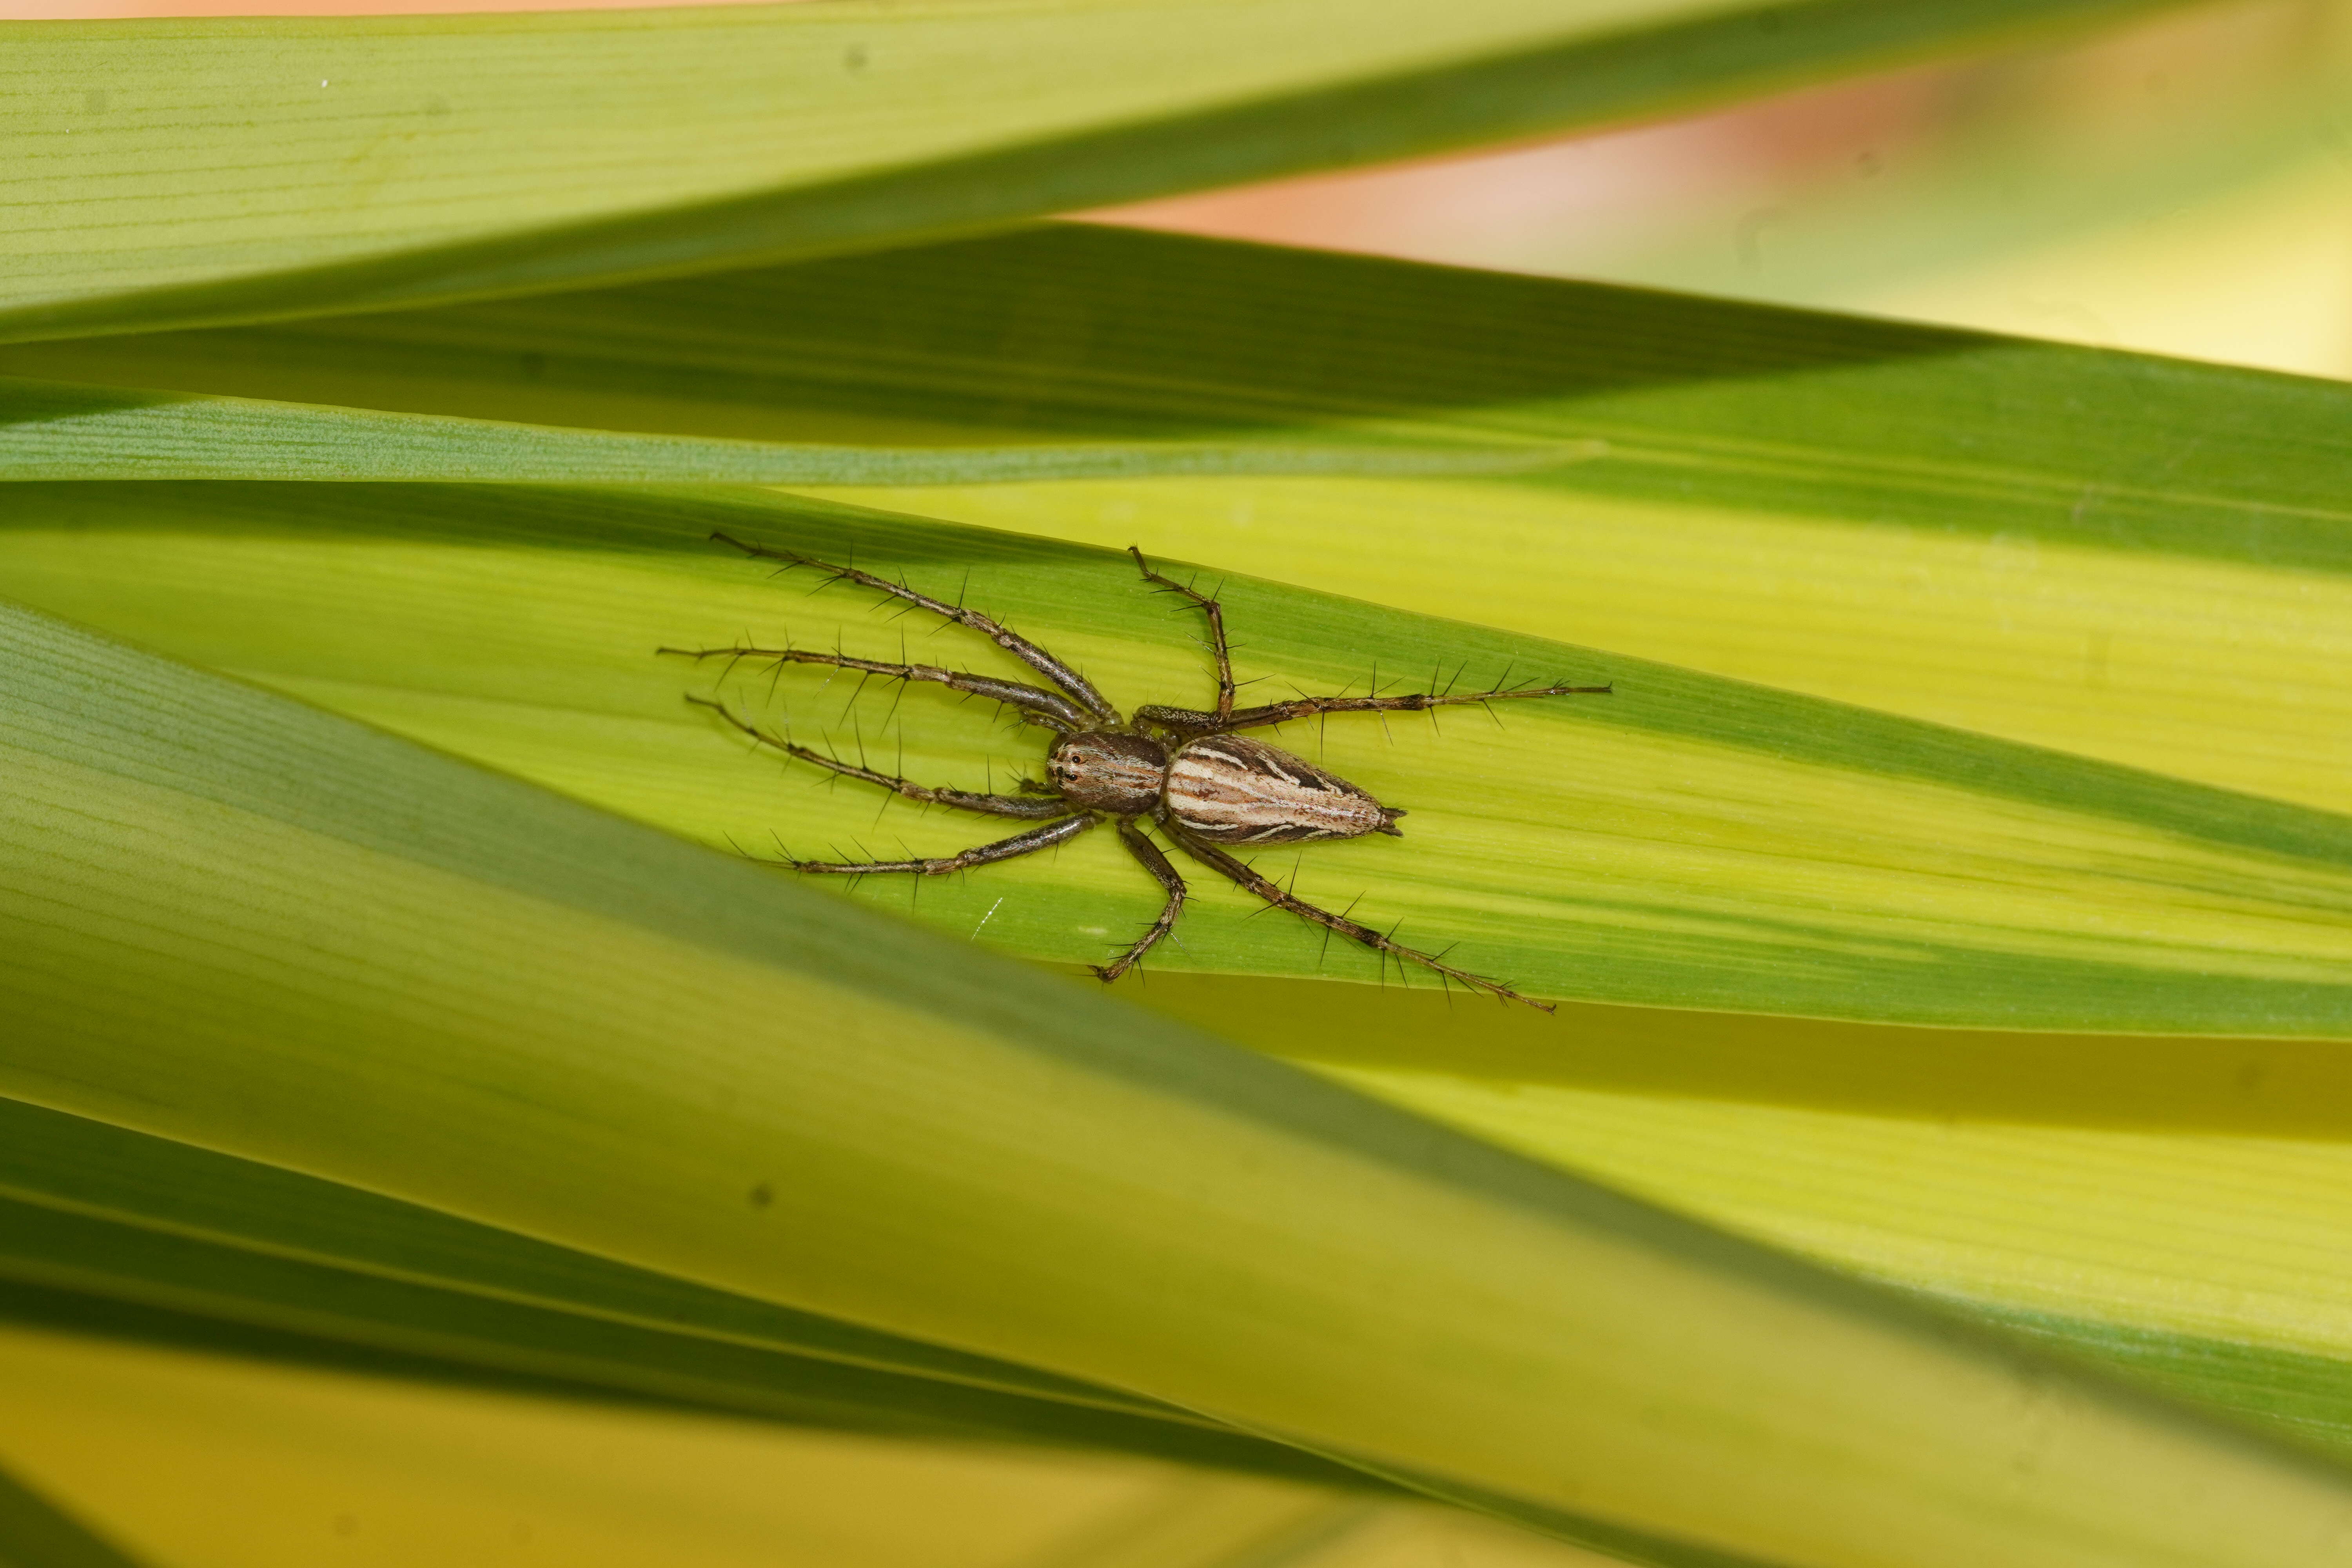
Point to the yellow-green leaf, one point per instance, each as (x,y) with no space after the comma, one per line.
(37,1533)
(1686,840)
(103,1229)
(216,1461)
(240,922)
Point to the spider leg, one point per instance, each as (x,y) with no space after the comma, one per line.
(1380,942)
(1146,851)
(1080,689)
(1187,722)
(1020,844)
(963,800)
(1217,614)
(1038,706)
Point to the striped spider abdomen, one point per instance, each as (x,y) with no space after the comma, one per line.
(1232,789)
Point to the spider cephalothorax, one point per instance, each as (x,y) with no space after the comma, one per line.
(1183,769)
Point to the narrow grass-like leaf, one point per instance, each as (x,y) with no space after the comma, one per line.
(140,1229)
(1687,841)
(2169,1207)
(220,1459)
(35,1533)
(2134,559)
(846,1409)
(453,988)
(236,1303)
(174,173)
(237,1247)
(55,430)
(75,1166)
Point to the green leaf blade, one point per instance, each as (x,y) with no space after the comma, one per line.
(1687,841)
(58,430)
(927,1115)
(269,168)
(2135,560)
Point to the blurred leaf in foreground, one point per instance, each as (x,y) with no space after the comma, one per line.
(37,1533)
(323,1464)
(252,168)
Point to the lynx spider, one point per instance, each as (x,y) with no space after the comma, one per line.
(1203,784)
